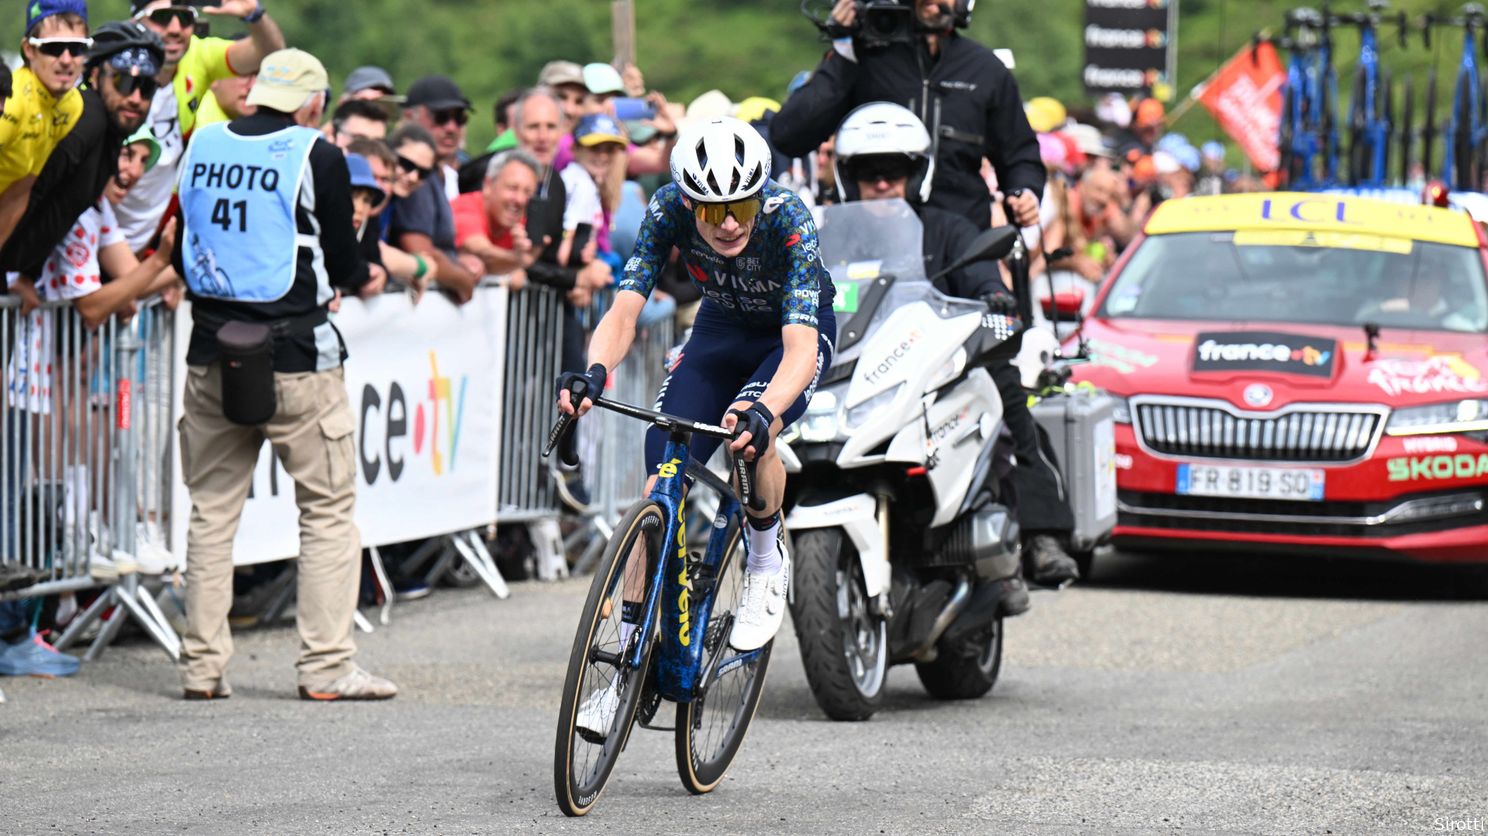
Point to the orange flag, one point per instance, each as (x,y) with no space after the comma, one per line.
(1245,98)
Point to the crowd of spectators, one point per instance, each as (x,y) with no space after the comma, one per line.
(87,206)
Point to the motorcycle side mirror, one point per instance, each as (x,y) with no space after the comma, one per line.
(990,244)
(1066,303)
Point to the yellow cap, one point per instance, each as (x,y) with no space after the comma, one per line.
(755,107)
(1045,114)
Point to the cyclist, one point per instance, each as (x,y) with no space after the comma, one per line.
(883,152)
(762,337)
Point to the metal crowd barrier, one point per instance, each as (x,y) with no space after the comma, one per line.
(609,444)
(85,419)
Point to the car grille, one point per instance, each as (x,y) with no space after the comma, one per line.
(1434,511)
(1201,430)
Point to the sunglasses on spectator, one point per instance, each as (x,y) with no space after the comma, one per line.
(127,84)
(451,114)
(184,16)
(54,47)
(414,168)
(872,171)
(715,213)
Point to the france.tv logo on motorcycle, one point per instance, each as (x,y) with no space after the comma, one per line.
(422,420)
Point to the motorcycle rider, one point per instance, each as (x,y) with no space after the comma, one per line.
(954,84)
(883,152)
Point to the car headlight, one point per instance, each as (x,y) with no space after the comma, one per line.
(820,421)
(1122,413)
(1448,417)
(858,415)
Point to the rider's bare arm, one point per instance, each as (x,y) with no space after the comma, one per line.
(797,368)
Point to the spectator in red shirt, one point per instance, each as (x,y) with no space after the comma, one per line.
(490,227)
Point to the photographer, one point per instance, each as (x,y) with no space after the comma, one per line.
(909,51)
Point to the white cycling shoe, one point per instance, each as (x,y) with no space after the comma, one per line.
(597,713)
(761,606)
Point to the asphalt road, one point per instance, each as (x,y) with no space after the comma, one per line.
(1185,694)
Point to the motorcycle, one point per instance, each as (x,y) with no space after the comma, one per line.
(899,504)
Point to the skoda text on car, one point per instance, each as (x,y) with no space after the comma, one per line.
(1300,373)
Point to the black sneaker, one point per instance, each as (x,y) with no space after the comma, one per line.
(571,489)
(1047,563)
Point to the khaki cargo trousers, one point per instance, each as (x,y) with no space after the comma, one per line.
(311,434)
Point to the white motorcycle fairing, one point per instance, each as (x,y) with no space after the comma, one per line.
(857,516)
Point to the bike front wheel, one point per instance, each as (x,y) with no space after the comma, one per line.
(602,690)
(711,728)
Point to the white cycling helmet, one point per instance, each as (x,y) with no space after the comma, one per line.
(884,129)
(720,160)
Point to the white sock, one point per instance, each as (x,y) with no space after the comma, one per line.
(764,556)
(626,631)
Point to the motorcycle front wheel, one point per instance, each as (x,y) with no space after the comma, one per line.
(844,645)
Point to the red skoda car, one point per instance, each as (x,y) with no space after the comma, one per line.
(1299,373)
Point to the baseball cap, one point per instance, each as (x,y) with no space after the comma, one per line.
(147,136)
(596,129)
(1149,113)
(754,108)
(1088,139)
(436,92)
(602,78)
(710,105)
(361,175)
(1045,114)
(287,79)
(1213,150)
(363,78)
(39,10)
(555,73)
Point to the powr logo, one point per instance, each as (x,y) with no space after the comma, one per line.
(438,415)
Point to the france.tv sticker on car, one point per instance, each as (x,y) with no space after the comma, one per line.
(1264,351)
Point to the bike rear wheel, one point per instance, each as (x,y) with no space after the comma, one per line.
(582,758)
(711,728)
(1288,162)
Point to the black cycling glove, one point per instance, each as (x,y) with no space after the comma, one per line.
(589,385)
(756,420)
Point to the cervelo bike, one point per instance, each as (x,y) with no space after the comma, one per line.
(1466,148)
(681,606)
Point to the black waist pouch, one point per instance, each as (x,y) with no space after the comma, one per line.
(247,372)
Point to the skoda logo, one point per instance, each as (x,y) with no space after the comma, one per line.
(1258,394)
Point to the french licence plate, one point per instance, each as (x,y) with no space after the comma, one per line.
(1297,483)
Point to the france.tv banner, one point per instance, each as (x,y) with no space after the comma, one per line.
(1129,45)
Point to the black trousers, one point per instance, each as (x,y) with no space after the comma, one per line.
(1043,507)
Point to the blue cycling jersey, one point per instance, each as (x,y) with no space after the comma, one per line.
(777,280)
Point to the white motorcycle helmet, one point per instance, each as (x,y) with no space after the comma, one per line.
(884,128)
(720,160)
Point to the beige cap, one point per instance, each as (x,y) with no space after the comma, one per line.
(287,79)
(555,73)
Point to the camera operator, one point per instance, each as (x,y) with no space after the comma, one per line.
(882,154)
(908,51)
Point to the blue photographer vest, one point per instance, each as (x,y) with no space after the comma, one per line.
(238,196)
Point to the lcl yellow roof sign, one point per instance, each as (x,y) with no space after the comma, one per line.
(1313,212)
